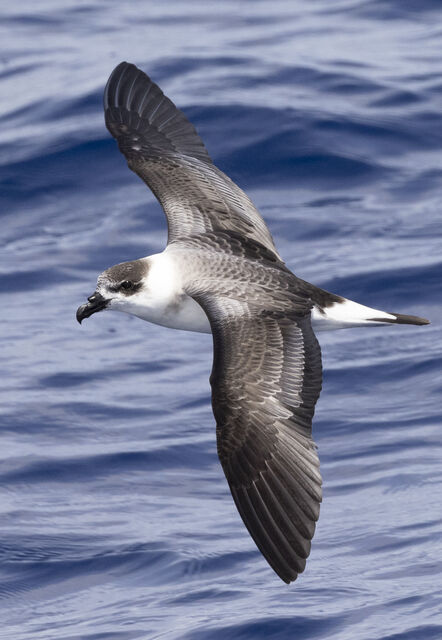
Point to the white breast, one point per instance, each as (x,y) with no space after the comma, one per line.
(187,315)
(163,301)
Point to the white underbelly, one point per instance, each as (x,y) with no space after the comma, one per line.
(186,315)
(189,316)
(183,313)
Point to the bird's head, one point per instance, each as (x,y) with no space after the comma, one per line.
(123,287)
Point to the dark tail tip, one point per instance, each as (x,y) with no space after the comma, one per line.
(403,319)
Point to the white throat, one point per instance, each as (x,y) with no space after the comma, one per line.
(162,299)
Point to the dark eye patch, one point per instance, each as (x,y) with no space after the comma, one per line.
(126,286)
(132,272)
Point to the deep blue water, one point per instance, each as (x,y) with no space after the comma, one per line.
(117,523)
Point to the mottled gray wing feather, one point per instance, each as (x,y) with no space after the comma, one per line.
(265,382)
(266,379)
(164,149)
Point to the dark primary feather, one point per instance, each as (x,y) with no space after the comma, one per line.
(266,379)
(164,149)
(137,111)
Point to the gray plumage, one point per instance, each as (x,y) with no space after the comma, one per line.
(164,149)
(266,379)
(267,373)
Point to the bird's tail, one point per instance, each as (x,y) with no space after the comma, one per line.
(345,313)
(400,318)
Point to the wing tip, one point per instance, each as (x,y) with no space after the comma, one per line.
(114,81)
(132,98)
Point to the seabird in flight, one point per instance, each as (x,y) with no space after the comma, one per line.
(221,273)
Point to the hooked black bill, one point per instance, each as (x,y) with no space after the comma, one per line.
(96,302)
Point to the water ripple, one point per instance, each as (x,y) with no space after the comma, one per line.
(117,520)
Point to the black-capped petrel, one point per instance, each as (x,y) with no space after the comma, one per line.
(221,273)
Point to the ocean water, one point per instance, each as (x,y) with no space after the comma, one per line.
(117,523)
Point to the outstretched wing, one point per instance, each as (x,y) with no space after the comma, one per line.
(164,149)
(266,379)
